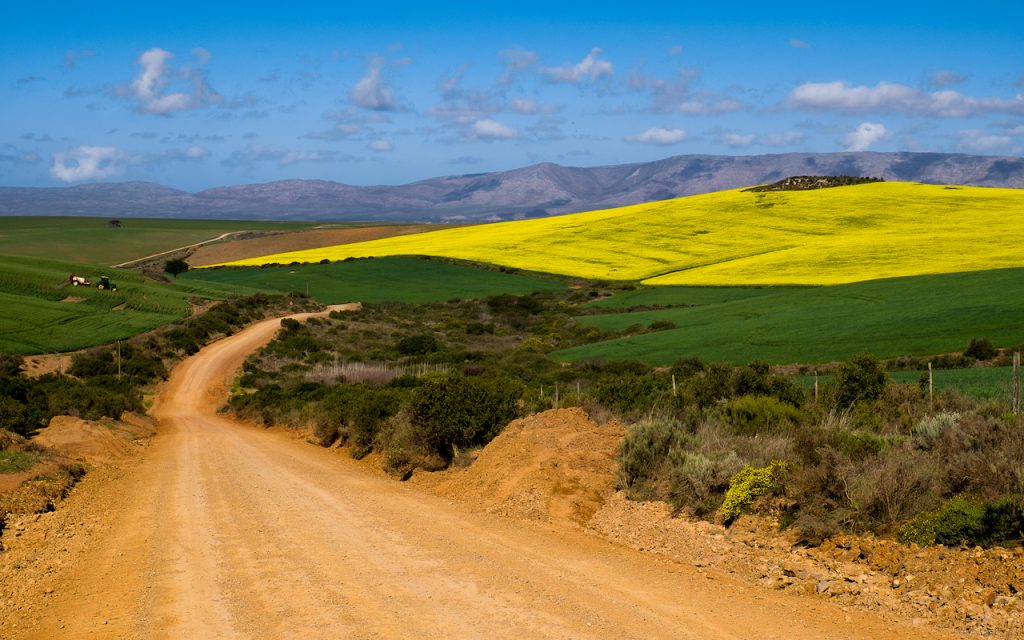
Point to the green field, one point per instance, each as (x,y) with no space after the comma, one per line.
(414,280)
(94,241)
(644,296)
(980,383)
(42,314)
(919,315)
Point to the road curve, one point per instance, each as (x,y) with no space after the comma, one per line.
(223,530)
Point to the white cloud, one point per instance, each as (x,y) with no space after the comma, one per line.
(865,135)
(976,141)
(380,146)
(897,98)
(492,130)
(738,140)
(254,154)
(658,135)
(798,44)
(709,108)
(782,139)
(532,107)
(149,86)
(87,163)
(516,61)
(588,69)
(371,92)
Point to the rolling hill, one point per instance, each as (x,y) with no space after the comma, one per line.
(529,192)
(731,238)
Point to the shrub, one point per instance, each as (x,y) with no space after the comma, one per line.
(931,428)
(860,379)
(962,521)
(661,325)
(418,345)
(981,350)
(752,414)
(454,411)
(641,455)
(749,484)
(698,481)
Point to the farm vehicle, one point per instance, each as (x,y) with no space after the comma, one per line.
(81,281)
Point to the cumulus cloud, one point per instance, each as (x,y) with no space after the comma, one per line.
(945,78)
(73,57)
(488,130)
(149,88)
(798,44)
(371,92)
(380,146)
(658,135)
(898,98)
(87,163)
(865,135)
(589,69)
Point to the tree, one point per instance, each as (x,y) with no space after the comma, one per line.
(176,266)
(114,223)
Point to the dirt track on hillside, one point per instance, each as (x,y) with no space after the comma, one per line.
(221,530)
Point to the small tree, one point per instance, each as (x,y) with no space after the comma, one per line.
(981,350)
(114,223)
(860,379)
(176,266)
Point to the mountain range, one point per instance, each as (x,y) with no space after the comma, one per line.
(533,191)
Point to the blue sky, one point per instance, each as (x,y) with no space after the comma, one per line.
(201,95)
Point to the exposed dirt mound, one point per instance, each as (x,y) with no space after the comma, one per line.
(296,241)
(806,183)
(553,466)
(94,442)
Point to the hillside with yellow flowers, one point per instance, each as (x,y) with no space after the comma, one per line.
(729,238)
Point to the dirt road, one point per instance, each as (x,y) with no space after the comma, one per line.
(224,530)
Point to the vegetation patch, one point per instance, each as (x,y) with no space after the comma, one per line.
(413,280)
(730,238)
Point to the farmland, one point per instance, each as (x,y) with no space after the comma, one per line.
(822,237)
(43,314)
(980,383)
(902,316)
(95,241)
(413,280)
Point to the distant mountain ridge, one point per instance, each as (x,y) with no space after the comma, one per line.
(533,191)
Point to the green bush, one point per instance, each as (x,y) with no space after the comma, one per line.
(454,411)
(418,345)
(753,414)
(981,350)
(862,379)
(752,483)
(962,521)
(641,455)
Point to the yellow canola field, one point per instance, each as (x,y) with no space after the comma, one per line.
(826,236)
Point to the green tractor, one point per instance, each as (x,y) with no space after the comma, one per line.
(105,283)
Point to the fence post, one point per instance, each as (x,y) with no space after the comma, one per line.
(815,386)
(673,385)
(930,387)
(556,395)
(1016,385)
